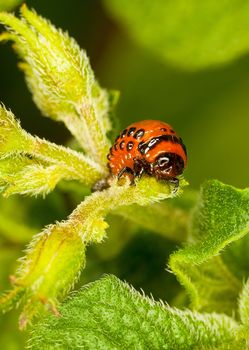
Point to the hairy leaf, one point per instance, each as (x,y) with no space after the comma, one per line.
(55,257)
(108,314)
(235,256)
(221,217)
(61,80)
(169,218)
(30,165)
(50,268)
(189,33)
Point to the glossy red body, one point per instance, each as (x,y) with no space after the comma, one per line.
(142,145)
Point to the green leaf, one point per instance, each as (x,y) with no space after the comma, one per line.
(221,217)
(192,34)
(56,256)
(61,80)
(30,165)
(108,314)
(51,266)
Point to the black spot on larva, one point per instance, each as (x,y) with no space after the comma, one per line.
(164,129)
(122,145)
(109,156)
(183,146)
(131,131)
(124,133)
(146,147)
(138,134)
(152,143)
(168,138)
(142,147)
(129,145)
(175,139)
(116,146)
(172,131)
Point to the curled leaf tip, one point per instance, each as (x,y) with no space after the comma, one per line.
(220,218)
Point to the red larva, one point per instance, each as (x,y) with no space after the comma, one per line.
(151,147)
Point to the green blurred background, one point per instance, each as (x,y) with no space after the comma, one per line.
(203,96)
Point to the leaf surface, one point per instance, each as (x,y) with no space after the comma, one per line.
(108,314)
(220,218)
